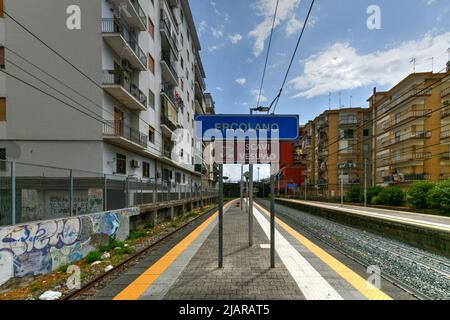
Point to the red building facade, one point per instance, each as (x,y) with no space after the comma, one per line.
(292,166)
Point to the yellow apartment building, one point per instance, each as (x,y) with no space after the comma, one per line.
(337,145)
(411,130)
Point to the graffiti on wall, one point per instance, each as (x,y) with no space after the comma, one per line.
(41,247)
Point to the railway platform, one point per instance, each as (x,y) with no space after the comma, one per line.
(186,268)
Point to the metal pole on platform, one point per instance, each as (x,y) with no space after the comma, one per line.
(105,193)
(221,216)
(250,207)
(71,194)
(342,187)
(242,187)
(13,192)
(365,182)
(272,221)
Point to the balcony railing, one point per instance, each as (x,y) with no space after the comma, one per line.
(416,92)
(396,178)
(445,155)
(445,92)
(169,124)
(445,134)
(140,11)
(445,112)
(413,156)
(114,25)
(169,91)
(119,129)
(406,116)
(115,77)
(408,136)
(348,121)
(169,59)
(165,27)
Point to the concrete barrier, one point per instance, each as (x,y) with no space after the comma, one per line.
(424,237)
(40,247)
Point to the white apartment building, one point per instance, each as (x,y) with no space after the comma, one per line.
(136,77)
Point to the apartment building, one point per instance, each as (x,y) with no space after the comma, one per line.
(411,125)
(138,79)
(337,147)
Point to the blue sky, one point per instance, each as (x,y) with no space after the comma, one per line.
(338,52)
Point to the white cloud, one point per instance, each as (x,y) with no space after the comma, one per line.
(255,93)
(202,26)
(266,9)
(341,67)
(217,32)
(241,81)
(235,38)
(293,26)
(219,89)
(215,47)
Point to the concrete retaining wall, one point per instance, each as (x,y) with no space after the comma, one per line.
(430,239)
(41,247)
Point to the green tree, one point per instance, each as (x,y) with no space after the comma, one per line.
(354,194)
(439,197)
(417,194)
(391,196)
(372,193)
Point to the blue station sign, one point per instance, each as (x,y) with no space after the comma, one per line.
(222,127)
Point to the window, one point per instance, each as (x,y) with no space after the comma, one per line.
(182,84)
(2,157)
(151,63)
(178,177)
(151,134)
(151,99)
(121,164)
(146,169)
(167,175)
(349,134)
(2,109)
(151,28)
(182,63)
(366,132)
(2,57)
(184,178)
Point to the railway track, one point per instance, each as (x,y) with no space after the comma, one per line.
(417,257)
(124,264)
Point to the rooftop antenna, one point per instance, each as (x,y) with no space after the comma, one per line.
(413,61)
(432,64)
(340,100)
(351,97)
(329,100)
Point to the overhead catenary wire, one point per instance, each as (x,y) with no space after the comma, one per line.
(277,98)
(34,35)
(268,53)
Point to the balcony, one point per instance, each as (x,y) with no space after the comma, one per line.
(120,38)
(118,85)
(348,121)
(406,137)
(198,107)
(445,112)
(405,118)
(413,93)
(399,178)
(445,135)
(413,156)
(168,68)
(445,92)
(168,34)
(167,153)
(172,96)
(169,116)
(134,15)
(119,134)
(445,156)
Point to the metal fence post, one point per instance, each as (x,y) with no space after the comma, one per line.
(155,191)
(13,192)
(127,193)
(105,193)
(71,194)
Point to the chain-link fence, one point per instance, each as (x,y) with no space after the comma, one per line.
(33,192)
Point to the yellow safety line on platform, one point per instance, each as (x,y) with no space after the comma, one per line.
(139,286)
(358,282)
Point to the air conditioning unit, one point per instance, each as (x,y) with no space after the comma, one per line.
(135,164)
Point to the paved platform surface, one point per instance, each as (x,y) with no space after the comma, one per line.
(401,216)
(186,267)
